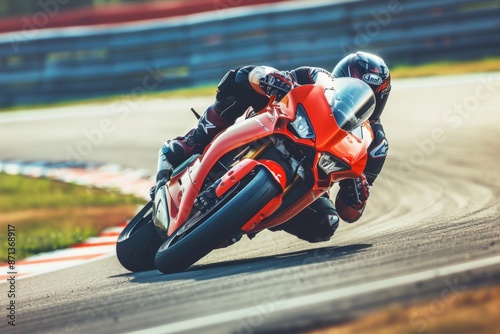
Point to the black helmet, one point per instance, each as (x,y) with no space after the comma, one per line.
(372,70)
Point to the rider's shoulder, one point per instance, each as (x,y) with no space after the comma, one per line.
(243,72)
(308,74)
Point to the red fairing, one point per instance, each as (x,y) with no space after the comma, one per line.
(329,137)
(183,197)
(238,172)
(275,122)
(235,175)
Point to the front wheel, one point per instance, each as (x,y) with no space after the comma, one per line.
(138,242)
(178,255)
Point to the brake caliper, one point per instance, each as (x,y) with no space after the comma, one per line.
(206,198)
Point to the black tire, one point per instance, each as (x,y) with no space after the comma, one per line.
(138,242)
(223,223)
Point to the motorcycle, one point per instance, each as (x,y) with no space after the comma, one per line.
(255,175)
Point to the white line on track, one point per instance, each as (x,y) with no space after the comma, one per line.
(325,296)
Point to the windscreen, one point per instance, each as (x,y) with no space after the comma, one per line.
(352,102)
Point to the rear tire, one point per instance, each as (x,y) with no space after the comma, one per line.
(218,227)
(138,242)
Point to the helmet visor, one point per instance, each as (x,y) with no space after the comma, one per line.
(352,102)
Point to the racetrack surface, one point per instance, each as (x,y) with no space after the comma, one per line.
(431,228)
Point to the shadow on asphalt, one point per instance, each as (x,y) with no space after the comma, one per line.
(253,265)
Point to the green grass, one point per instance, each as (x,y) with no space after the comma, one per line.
(50,215)
(446,68)
(40,236)
(21,192)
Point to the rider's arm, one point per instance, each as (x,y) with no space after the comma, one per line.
(307,74)
(377,152)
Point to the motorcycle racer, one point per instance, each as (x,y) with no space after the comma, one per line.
(253,86)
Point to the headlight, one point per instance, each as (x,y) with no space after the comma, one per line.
(301,126)
(329,164)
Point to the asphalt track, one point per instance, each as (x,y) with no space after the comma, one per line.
(431,228)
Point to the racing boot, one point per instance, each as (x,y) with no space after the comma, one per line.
(316,223)
(174,152)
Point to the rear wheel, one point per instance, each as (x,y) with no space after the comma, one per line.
(138,242)
(182,250)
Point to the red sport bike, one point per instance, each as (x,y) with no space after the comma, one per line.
(255,175)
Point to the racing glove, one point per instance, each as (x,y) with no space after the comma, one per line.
(271,82)
(354,191)
(351,198)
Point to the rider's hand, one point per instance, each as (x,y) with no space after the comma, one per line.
(276,83)
(354,191)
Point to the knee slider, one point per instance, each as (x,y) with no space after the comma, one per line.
(316,223)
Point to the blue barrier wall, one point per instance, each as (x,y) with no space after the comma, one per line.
(74,63)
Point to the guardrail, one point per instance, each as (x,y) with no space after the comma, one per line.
(53,13)
(77,63)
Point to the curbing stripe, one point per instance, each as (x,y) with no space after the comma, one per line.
(127,181)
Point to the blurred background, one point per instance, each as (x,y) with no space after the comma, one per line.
(58,50)
(13,7)
(434,206)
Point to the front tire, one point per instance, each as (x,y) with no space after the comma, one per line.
(138,242)
(223,223)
